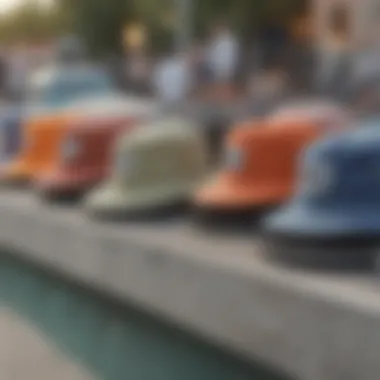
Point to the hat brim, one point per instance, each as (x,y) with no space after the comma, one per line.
(113,201)
(14,172)
(336,240)
(229,196)
(300,220)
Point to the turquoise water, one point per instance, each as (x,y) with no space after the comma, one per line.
(114,342)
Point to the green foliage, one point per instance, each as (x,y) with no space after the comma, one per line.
(30,23)
(246,16)
(100,22)
(160,20)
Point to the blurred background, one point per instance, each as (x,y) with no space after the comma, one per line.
(272,41)
(253,53)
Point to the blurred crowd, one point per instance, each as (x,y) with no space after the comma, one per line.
(18,62)
(219,66)
(277,61)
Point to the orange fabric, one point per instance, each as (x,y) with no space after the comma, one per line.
(268,169)
(225,193)
(42,139)
(96,137)
(325,116)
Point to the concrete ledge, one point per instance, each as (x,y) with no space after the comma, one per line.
(312,326)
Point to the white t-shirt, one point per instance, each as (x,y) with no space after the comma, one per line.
(223,56)
(172,80)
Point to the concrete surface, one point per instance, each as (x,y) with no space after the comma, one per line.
(312,326)
(26,355)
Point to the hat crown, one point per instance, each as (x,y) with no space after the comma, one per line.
(353,162)
(155,156)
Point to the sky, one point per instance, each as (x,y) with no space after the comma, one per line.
(8,5)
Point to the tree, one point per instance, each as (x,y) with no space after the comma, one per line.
(30,23)
(99,23)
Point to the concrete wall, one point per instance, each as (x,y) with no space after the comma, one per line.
(74,327)
(312,326)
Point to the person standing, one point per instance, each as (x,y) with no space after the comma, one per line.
(3,73)
(137,71)
(18,72)
(223,54)
(301,57)
(336,59)
(274,40)
(172,79)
